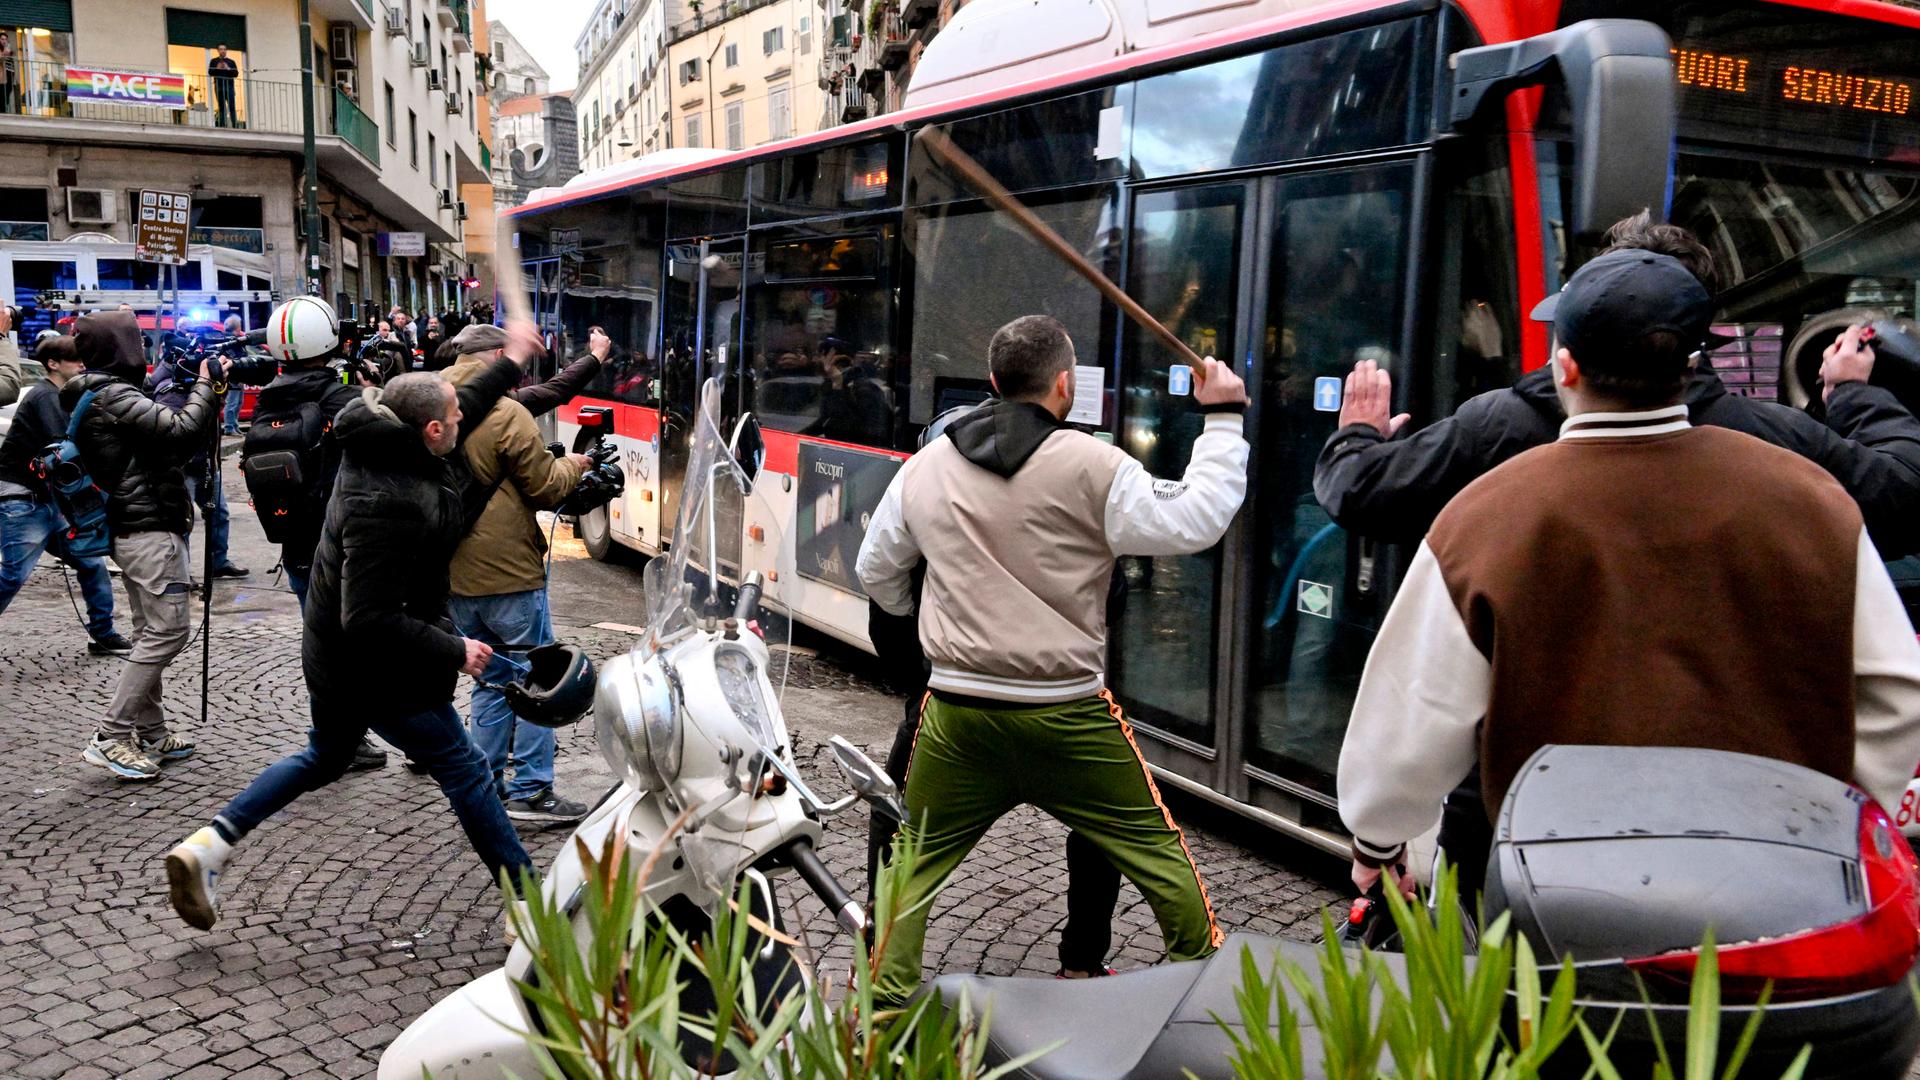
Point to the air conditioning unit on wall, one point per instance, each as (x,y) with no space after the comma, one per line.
(433,79)
(396,22)
(345,52)
(446,200)
(92,206)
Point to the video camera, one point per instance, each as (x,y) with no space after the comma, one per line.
(603,481)
(186,350)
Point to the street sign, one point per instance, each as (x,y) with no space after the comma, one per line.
(400,243)
(160,231)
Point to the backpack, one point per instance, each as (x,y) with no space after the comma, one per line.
(74,493)
(282,463)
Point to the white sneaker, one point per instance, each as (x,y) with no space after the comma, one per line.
(193,877)
(122,757)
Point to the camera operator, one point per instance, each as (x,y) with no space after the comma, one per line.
(170,383)
(133,447)
(499,578)
(30,523)
(9,356)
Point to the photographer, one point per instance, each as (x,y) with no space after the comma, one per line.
(9,357)
(29,522)
(170,384)
(499,577)
(133,447)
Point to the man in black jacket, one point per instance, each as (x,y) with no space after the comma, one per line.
(134,447)
(378,649)
(29,522)
(1391,488)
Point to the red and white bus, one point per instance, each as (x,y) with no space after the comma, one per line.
(1292,186)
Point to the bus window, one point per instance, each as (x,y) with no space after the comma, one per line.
(607,274)
(1354,91)
(709,205)
(837,180)
(1185,269)
(1336,297)
(819,335)
(1050,144)
(956,307)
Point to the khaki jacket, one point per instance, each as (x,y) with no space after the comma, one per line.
(505,552)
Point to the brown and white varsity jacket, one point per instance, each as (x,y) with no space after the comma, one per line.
(1020,518)
(1639,582)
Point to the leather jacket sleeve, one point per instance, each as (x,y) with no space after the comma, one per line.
(545,397)
(1873,449)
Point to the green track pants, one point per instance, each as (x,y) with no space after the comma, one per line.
(1075,760)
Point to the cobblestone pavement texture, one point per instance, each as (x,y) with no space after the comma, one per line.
(346,917)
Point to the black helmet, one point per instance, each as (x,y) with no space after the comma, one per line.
(559,689)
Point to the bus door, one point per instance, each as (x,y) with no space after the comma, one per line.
(1334,251)
(1188,262)
(702,325)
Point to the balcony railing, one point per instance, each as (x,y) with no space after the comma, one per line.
(257,105)
(355,126)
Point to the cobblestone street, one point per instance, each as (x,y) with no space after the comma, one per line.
(347,916)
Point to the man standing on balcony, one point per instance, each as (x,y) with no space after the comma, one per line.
(221,71)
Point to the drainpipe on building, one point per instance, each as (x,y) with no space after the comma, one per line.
(310,183)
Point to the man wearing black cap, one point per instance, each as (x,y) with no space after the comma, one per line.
(1564,598)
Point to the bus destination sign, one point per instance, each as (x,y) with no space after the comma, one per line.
(1792,82)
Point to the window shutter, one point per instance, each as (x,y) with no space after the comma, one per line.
(45,14)
(206,29)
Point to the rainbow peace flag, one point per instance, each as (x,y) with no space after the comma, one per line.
(152,89)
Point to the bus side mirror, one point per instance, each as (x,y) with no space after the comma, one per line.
(1618,76)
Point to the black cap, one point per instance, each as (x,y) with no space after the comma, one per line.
(1613,300)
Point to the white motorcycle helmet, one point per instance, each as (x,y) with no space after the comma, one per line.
(303,328)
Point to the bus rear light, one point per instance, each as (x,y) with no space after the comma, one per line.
(757,534)
(1873,951)
(646,495)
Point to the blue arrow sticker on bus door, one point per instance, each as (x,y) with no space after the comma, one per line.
(1326,394)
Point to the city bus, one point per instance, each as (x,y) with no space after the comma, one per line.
(1291,187)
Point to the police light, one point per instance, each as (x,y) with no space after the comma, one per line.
(470,283)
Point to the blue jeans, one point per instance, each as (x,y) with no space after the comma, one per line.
(434,738)
(217,513)
(29,527)
(512,623)
(235,395)
(297,581)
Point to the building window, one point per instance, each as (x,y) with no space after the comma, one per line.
(413,138)
(779,112)
(449,164)
(806,35)
(693,131)
(194,41)
(736,126)
(773,41)
(733,56)
(393,129)
(433,160)
(690,71)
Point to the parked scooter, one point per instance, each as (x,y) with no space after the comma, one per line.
(690,721)
(1803,880)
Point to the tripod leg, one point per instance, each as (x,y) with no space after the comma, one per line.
(207,493)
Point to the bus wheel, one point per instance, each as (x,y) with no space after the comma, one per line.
(596,532)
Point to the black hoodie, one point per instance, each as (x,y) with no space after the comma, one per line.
(378,643)
(133,446)
(1393,489)
(1001,435)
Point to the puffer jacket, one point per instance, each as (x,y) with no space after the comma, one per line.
(505,552)
(135,447)
(377,638)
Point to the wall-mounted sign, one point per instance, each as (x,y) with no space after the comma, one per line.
(254,240)
(160,226)
(400,243)
(127,87)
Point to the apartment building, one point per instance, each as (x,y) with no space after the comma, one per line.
(872,51)
(105,98)
(621,101)
(516,72)
(745,72)
(475,201)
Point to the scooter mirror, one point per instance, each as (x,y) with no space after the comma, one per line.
(868,779)
(748,448)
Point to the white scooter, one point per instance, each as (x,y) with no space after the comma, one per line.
(690,721)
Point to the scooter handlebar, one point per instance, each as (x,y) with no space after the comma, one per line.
(846,911)
(748,603)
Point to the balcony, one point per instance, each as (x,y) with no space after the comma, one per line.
(355,126)
(462,26)
(358,13)
(918,13)
(895,43)
(444,11)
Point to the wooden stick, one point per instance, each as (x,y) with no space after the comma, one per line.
(982,181)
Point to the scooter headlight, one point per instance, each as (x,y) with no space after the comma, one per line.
(636,717)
